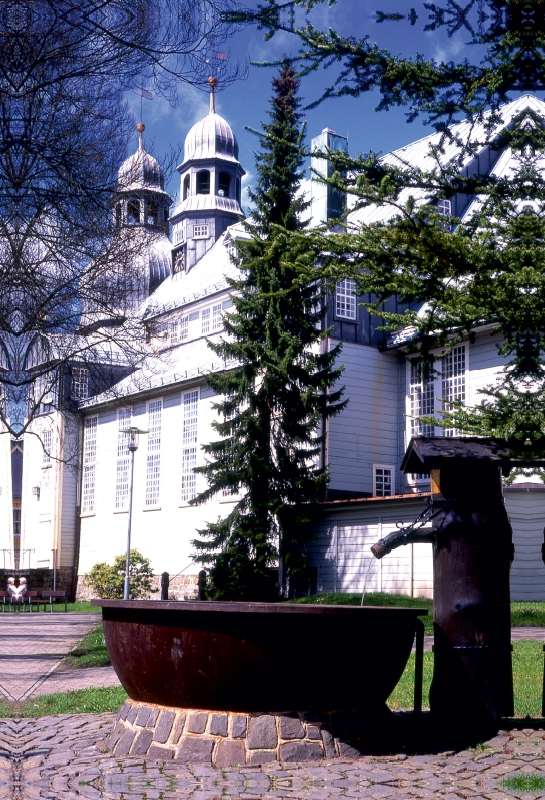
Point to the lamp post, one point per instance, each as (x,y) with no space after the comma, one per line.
(132,446)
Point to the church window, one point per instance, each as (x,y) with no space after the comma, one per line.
(186,186)
(89,459)
(422,398)
(179,235)
(217,321)
(238,190)
(133,212)
(153,463)
(190,402)
(444,207)
(454,381)
(224,183)
(123,458)
(80,383)
(179,330)
(200,231)
(205,321)
(203,181)
(152,214)
(383,480)
(118,214)
(345,299)
(47,442)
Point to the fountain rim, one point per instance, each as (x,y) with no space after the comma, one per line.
(247,607)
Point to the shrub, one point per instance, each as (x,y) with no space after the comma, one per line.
(108,581)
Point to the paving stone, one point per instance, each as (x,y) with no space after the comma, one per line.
(263,758)
(301,751)
(196,750)
(125,742)
(143,716)
(197,723)
(239,727)
(164,726)
(230,754)
(291,728)
(142,743)
(218,725)
(133,713)
(160,753)
(153,718)
(178,728)
(262,733)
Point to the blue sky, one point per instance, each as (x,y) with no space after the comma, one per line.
(246,101)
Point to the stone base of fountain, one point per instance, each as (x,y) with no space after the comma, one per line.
(227,739)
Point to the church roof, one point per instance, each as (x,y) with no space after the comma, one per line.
(211,137)
(183,363)
(141,171)
(421,155)
(209,276)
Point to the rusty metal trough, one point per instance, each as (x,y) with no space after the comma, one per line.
(257,657)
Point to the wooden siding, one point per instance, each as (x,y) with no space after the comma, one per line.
(367,430)
(527,514)
(341,550)
(341,553)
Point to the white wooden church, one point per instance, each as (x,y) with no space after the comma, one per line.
(75,511)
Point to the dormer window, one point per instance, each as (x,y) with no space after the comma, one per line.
(186,186)
(203,181)
(118,215)
(133,212)
(224,183)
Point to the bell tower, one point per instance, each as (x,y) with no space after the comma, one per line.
(210,188)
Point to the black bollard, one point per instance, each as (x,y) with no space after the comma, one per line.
(201,595)
(164,586)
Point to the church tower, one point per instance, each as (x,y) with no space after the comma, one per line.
(210,188)
(141,209)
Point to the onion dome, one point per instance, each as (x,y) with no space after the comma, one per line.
(141,171)
(212,136)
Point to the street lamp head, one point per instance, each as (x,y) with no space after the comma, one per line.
(133,438)
(133,441)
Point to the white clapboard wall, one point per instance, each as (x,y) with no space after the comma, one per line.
(341,550)
(344,535)
(526,509)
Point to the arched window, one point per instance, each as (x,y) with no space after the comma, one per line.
(133,212)
(118,214)
(203,181)
(186,187)
(224,183)
(151,213)
(238,190)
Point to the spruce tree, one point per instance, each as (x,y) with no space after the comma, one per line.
(280,390)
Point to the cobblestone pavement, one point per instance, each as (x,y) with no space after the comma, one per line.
(33,645)
(61,758)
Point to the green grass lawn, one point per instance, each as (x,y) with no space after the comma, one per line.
(527,680)
(90,652)
(521,613)
(82,701)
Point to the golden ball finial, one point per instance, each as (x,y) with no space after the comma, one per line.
(140,127)
(212,82)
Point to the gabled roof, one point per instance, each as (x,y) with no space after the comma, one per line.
(418,155)
(182,364)
(208,277)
